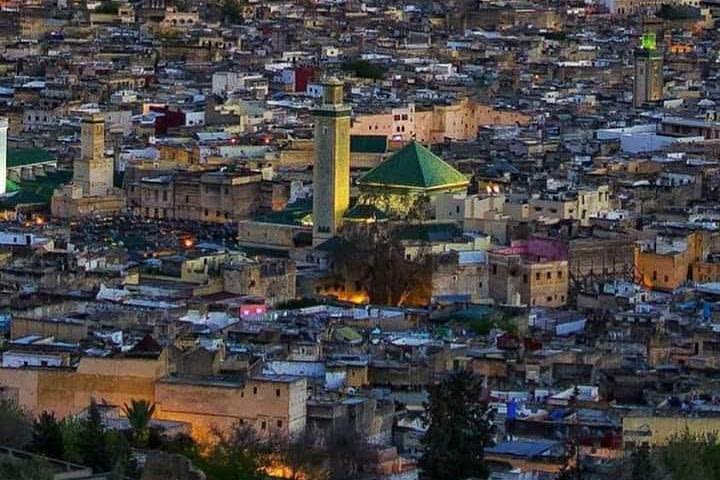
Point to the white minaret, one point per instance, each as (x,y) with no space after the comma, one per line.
(3,153)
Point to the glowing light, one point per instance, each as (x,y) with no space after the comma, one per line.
(188,243)
(496,188)
(39,221)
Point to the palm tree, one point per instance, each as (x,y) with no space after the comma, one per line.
(139,413)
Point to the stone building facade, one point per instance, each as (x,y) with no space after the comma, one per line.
(271,278)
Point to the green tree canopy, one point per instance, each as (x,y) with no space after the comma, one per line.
(459,428)
(364,69)
(47,437)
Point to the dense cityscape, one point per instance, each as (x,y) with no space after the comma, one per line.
(359,240)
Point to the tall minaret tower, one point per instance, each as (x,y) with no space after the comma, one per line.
(331,171)
(648,84)
(93,171)
(3,154)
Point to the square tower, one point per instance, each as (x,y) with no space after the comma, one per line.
(331,170)
(93,172)
(3,154)
(648,85)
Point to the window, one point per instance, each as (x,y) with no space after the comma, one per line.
(164,195)
(279,424)
(549,275)
(537,276)
(654,275)
(525,278)
(277,392)
(263,425)
(254,390)
(666,278)
(559,273)
(549,299)
(494,269)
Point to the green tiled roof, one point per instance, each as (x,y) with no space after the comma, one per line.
(39,190)
(414,166)
(361,211)
(292,214)
(368,143)
(17,157)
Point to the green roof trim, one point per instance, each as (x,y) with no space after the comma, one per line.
(292,214)
(39,190)
(361,211)
(19,157)
(368,143)
(414,167)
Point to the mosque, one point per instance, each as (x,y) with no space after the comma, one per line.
(403,185)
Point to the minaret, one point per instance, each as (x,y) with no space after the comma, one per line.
(648,85)
(331,171)
(3,154)
(93,171)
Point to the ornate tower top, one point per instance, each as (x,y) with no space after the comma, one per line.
(333,92)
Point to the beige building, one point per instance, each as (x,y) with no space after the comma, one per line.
(91,191)
(270,278)
(217,196)
(267,403)
(459,121)
(658,431)
(582,205)
(534,273)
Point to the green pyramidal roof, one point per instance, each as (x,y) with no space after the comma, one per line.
(414,166)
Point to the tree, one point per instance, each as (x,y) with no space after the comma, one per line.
(108,7)
(375,261)
(139,414)
(18,469)
(347,452)
(459,428)
(47,437)
(240,455)
(15,425)
(91,441)
(642,466)
(232,11)
(364,69)
(302,458)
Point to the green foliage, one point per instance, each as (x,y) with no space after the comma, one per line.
(687,456)
(47,436)
(139,414)
(232,11)
(238,455)
(460,427)
(15,426)
(108,7)
(17,469)
(678,12)
(70,429)
(298,303)
(99,449)
(364,69)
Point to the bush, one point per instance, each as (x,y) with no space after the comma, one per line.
(364,69)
